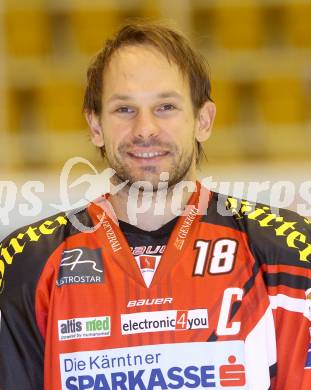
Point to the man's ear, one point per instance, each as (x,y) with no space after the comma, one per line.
(97,136)
(205,120)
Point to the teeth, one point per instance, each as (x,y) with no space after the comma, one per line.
(148,154)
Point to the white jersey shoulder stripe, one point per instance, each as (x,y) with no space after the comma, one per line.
(297,305)
(260,352)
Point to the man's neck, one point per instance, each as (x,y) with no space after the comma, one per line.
(151,210)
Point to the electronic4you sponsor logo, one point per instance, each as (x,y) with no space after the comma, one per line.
(160,321)
(83,328)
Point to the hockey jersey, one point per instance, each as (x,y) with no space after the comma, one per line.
(228,306)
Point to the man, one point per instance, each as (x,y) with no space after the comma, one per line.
(215,297)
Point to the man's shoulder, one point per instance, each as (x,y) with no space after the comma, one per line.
(274,234)
(32,235)
(26,250)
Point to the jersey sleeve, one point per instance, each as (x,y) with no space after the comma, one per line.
(23,255)
(281,243)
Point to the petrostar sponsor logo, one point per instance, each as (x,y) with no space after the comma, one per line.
(80,266)
(166,320)
(83,328)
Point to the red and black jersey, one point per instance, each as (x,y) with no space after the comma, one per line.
(228,306)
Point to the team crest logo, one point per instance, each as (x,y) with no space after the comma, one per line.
(148,265)
(147,262)
(80,266)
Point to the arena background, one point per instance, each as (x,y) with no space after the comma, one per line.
(260,59)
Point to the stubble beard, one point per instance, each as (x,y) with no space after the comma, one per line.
(177,171)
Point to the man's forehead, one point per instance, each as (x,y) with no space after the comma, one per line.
(124,52)
(142,71)
(131,60)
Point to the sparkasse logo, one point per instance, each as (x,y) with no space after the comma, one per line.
(82,328)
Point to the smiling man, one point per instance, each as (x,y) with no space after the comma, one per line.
(213,292)
(149,113)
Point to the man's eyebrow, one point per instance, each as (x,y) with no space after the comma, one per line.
(162,95)
(119,97)
(169,94)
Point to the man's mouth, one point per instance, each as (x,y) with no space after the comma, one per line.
(147,155)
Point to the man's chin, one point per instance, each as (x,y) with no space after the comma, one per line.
(152,178)
(154,185)
(147,184)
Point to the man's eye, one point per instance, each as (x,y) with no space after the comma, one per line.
(167,107)
(124,109)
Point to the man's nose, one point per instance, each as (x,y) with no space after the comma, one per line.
(145,125)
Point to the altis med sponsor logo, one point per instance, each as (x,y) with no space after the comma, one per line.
(83,328)
(160,321)
(219,365)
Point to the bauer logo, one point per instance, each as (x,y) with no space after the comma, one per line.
(160,321)
(80,266)
(83,328)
